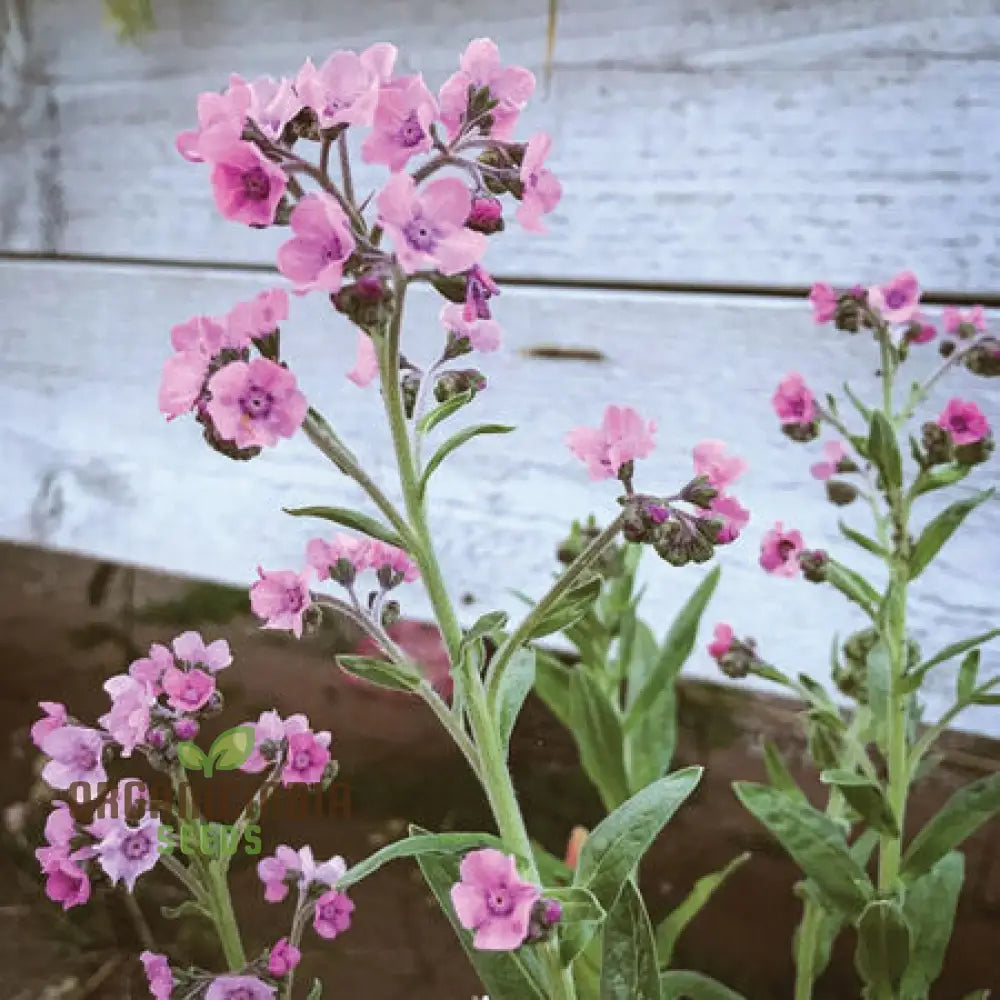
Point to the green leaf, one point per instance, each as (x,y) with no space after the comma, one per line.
(868,544)
(552,870)
(883,950)
(929,909)
(454,442)
(350,519)
(596,727)
(643,655)
(963,814)
(853,586)
(865,798)
(941,529)
(883,450)
(778,773)
(191,756)
(315,991)
(552,685)
(486,625)
(680,985)
(814,841)
(231,749)
(581,918)
(628,959)
(431,419)
(383,673)
(967,674)
(189,908)
(674,924)
(573,606)
(949,652)
(863,410)
(515,683)
(615,845)
(937,478)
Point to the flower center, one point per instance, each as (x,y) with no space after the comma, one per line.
(333,250)
(959,423)
(785,549)
(895,297)
(420,234)
(301,760)
(499,902)
(240,993)
(135,846)
(294,599)
(257,403)
(85,758)
(190,694)
(410,131)
(256,184)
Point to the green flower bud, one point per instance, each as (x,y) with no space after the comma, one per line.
(801,433)
(841,493)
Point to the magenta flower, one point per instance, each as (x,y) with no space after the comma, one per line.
(899,300)
(780,551)
(54,718)
(66,883)
(345,89)
(919,332)
(622,437)
(307,758)
(188,690)
(482,334)
(303,866)
(273,103)
(711,461)
(255,318)
(427,226)
(190,648)
(325,556)
(314,257)
(542,189)
(150,669)
(126,851)
(273,873)
(239,988)
(75,754)
(964,422)
(283,958)
(793,401)
(158,974)
(824,302)
(281,597)
(382,557)
(247,186)
(333,914)
(365,368)
(128,720)
(220,121)
(722,642)
(401,128)
(510,86)
(834,452)
(479,289)
(271,728)
(734,517)
(255,402)
(197,342)
(954,319)
(493,901)
(485,215)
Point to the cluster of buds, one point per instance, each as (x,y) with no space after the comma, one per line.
(850,671)
(736,657)
(611,562)
(960,434)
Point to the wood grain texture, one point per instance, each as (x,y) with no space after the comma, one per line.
(90,466)
(753,142)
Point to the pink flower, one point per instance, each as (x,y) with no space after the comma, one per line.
(542,189)
(964,422)
(272,873)
(283,958)
(427,226)
(239,988)
(66,883)
(920,333)
(158,975)
(255,402)
(485,215)
(389,560)
(190,648)
(301,864)
(150,669)
(127,799)
(333,914)
(188,690)
(793,401)
(824,302)
(493,901)
(365,368)
(780,550)
(711,460)
(127,852)
(314,257)
(197,342)
(899,300)
(247,186)
(734,517)
(324,556)
(128,721)
(273,103)
(75,754)
(482,334)
(622,437)
(220,121)
(345,89)
(54,718)
(954,319)
(834,452)
(722,642)
(307,758)
(281,597)
(401,128)
(271,728)
(510,86)
(256,318)
(479,289)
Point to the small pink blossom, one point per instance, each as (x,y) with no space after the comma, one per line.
(482,334)
(485,215)
(711,461)
(898,301)
(834,452)
(542,190)
(128,720)
(247,186)
(954,319)
(188,690)
(510,86)
(314,257)
(255,318)
(66,883)
(493,901)
(622,437)
(824,302)
(383,557)
(255,402)
(307,758)
(479,289)
(427,226)
(323,556)
(919,332)
(158,974)
(780,551)
(239,988)
(281,597)
(963,421)
(734,517)
(127,799)
(190,648)
(270,727)
(793,401)
(401,128)
(722,642)
(273,103)
(150,669)
(345,88)
(284,956)
(75,754)
(365,369)
(273,873)
(306,870)
(333,914)
(54,718)
(220,121)
(127,851)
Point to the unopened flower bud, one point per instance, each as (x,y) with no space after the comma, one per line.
(984,358)
(485,216)
(801,432)
(312,619)
(456,346)
(976,452)
(738,660)
(450,286)
(840,492)
(271,750)
(214,705)
(545,915)
(409,386)
(946,348)
(186,729)
(813,563)
(937,444)
(670,543)
(390,613)
(366,302)
(330,772)
(699,492)
(158,737)
(283,211)
(850,315)
(303,126)
(634,527)
(709,528)
(455,383)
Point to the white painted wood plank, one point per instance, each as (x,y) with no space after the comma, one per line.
(90,466)
(744,141)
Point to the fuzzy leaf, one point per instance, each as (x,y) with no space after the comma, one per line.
(453,443)
(628,961)
(350,519)
(516,681)
(581,918)
(492,621)
(431,419)
(951,651)
(883,449)
(865,798)
(552,685)
(941,529)
(883,951)
(596,727)
(572,607)
(778,773)
(853,586)
(868,544)
(967,673)
(383,673)
(681,985)
(937,478)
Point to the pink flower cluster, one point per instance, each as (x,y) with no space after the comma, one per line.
(721,471)
(622,437)
(307,753)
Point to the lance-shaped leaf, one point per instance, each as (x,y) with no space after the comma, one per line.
(431,419)
(628,962)
(915,678)
(883,950)
(453,443)
(492,621)
(778,773)
(512,689)
(682,985)
(938,477)
(941,529)
(883,450)
(579,921)
(350,519)
(868,544)
(383,673)
(865,798)
(852,585)
(573,606)
(596,727)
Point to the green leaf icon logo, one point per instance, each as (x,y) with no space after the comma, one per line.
(230,749)
(191,756)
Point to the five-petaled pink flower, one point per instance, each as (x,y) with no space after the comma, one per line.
(220,122)
(273,103)
(722,642)
(427,225)
(793,400)
(150,669)
(365,367)
(954,319)
(256,317)
(255,402)
(270,727)
(190,648)
(283,957)
(128,720)
(898,301)
(493,901)
(187,690)
(711,461)
(402,125)
(158,974)
(333,914)
(344,90)
(281,597)
(128,851)
(383,557)
(834,452)
(622,437)
(308,755)
(482,334)
(325,556)
(541,188)
(314,257)
(733,515)
(247,185)
(964,422)
(196,342)
(780,551)
(509,86)
(824,302)
(239,988)
(75,754)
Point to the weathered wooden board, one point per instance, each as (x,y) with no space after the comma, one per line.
(90,466)
(730,142)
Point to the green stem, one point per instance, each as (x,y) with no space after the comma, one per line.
(805,951)
(225,919)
